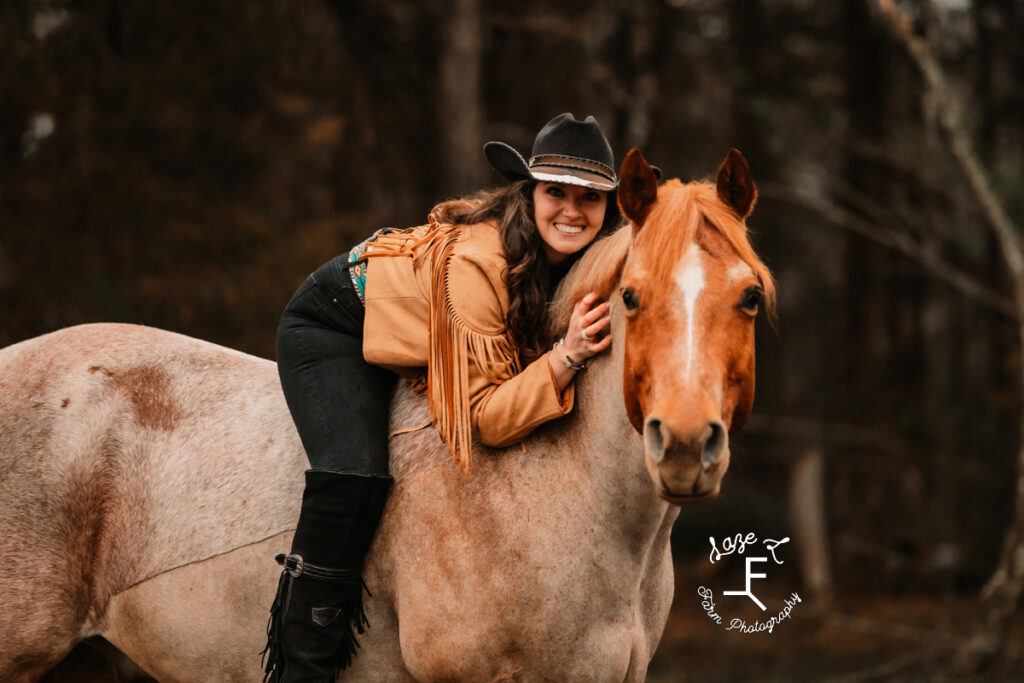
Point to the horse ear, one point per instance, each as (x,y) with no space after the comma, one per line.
(638,188)
(734,184)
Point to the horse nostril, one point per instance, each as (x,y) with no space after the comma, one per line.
(715,446)
(654,440)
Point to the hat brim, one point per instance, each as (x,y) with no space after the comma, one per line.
(506,161)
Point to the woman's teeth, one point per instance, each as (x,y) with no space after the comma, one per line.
(568,229)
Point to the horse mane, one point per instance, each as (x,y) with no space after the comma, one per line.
(598,270)
(680,211)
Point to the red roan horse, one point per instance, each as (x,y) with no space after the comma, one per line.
(148,479)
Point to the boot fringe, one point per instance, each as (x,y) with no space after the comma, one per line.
(351,619)
(271,658)
(355,621)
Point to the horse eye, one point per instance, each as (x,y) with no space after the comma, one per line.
(751,299)
(629,299)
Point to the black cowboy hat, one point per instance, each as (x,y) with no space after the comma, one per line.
(564,151)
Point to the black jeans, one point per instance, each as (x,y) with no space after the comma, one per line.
(338,401)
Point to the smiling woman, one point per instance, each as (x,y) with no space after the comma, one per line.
(568,218)
(459,307)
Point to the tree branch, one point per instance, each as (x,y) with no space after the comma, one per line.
(897,241)
(951,126)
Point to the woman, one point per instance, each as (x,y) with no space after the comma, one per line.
(464,297)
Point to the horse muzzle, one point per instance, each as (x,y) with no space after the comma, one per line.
(687,465)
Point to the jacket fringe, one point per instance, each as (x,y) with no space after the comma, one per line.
(452,343)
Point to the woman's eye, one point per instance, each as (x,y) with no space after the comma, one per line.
(555,191)
(751,299)
(591,197)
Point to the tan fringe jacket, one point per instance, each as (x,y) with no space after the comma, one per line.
(440,303)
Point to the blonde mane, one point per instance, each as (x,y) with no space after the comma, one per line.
(598,270)
(680,211)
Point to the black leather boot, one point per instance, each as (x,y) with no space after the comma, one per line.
(319,595)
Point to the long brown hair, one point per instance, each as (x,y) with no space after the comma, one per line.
(531,280)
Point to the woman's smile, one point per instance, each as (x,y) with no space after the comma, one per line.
(569,229)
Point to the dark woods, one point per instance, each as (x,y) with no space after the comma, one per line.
(186,164)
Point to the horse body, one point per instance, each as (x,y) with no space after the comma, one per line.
(148,479)
(551,565)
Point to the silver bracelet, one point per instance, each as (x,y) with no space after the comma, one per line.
(569,362)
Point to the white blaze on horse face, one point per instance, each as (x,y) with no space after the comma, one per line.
(690,281)
(739,271)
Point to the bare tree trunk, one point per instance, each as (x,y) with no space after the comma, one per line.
(1003,591)
(644,88)
(807,518)
(874,293)
(460,102)
(603,87)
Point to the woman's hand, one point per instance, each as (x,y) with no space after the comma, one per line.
(587,319)
(584,337)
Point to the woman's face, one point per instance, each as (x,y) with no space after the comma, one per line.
(568,217)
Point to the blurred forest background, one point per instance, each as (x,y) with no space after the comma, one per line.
(185,164)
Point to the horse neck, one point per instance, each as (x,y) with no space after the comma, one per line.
(610,453)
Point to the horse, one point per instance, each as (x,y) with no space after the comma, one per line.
(148,479)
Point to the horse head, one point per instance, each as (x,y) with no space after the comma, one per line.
(690,288)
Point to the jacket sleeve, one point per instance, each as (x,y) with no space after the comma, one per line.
(504,414)
(503,402)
